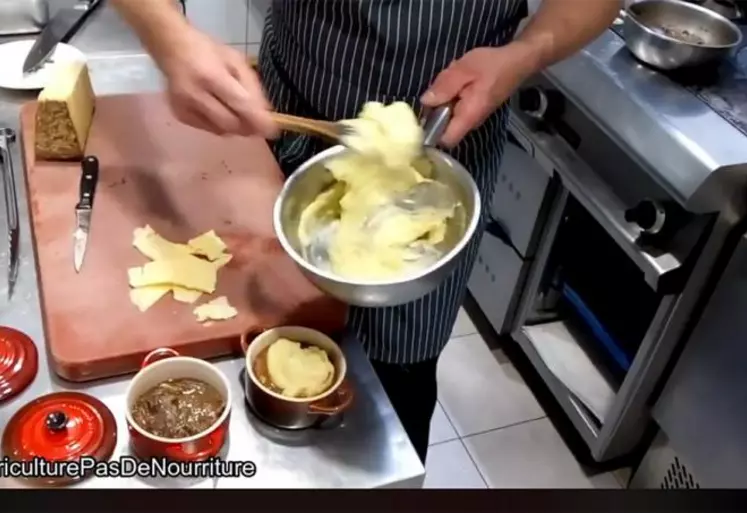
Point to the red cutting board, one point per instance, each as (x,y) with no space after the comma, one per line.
(155,170)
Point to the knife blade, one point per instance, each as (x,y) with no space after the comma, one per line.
(59,30)
(83,210)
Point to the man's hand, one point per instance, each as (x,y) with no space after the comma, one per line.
(212,87)
(485,77)
(478,83)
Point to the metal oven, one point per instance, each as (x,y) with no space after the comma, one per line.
(614,276)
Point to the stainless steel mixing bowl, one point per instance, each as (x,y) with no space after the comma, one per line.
(313,177)
(671,34)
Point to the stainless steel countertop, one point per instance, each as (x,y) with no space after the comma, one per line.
(370,449)
(689,149)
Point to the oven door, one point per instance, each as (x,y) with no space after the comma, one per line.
(599,293)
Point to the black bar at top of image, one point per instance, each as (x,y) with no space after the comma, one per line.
(328,501)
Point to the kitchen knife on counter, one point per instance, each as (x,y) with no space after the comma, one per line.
(59,30)
(88,180)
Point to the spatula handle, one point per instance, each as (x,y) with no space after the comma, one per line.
(299,125)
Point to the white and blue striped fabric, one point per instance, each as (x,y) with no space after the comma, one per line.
(325,58)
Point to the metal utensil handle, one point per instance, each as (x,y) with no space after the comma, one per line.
(7,137)
(88,181)
(86,5)
(435,125)
(86,8)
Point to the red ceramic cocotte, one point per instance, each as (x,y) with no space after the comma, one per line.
(159,366)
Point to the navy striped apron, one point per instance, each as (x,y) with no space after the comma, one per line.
(325,58)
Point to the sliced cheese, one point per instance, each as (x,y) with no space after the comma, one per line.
(134,275)
(222,260)
(185,295)
(64,113)
(216,310)
(145,297)
(155,247)
(187,272)
(208,245)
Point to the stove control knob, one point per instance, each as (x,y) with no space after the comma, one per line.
(533,102)
(649,215)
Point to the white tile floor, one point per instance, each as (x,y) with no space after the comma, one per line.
(488,431)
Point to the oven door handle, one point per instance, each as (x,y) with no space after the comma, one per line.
(597,198)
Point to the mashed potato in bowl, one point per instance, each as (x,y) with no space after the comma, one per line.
(298,371)
(386,163)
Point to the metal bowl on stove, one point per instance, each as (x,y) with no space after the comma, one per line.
(312,177)
(672,34)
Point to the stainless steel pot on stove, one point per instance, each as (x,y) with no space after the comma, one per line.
(672,34)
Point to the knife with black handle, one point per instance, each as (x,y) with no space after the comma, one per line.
(83,210)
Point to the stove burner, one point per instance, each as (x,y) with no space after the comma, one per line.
(721,85)
(283,435)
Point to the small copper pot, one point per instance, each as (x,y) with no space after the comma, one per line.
(157,367)
(289,412)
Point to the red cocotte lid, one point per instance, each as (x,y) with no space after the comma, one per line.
(62,426)
(18,363)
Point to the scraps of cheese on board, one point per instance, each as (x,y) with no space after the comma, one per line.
(64,113)
(186,270)
(155,247)
(216,310)
(145,297)
(185,295)
(222,260)
(208,245)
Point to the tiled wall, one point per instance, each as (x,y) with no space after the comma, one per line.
(235,22)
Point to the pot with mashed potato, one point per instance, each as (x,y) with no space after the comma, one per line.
(340,216)
(295,377)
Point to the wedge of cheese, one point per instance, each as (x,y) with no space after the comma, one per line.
(187,272)
(145,297)
(216,310)
(208,245)
(64,113)
(155,247)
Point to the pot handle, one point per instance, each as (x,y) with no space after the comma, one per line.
(158,354)
(247,336)
(435,124)
(340,399)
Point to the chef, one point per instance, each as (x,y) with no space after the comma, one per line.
(324,59)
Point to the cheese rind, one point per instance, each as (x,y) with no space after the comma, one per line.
(64,113)
(216,310)
(187,272)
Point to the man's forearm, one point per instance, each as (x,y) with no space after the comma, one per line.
(561,28)
(154,21)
